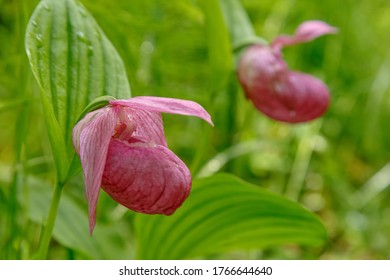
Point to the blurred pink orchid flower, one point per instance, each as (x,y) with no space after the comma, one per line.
(123,150)
(278,92)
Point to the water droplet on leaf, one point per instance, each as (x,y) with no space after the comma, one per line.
(90,50)
(147,48)
(39,37)
(81,36)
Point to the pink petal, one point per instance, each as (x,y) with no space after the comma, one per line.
(94,141)
(149,126)
(88,118)
(307,31)
(165,105)
(145,177)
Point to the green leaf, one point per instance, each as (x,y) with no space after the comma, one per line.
(71,226)
(222,214)
(73,62)
(240,28)
(219,48)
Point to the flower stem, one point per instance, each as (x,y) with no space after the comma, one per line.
(48,229)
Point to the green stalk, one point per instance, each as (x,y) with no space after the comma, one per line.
(240,28)
(48,229)
(220,65)
(20,104)
(218,45)
(62,166)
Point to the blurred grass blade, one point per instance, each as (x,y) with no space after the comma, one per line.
(220,66)
(14,104)
(373,187)
(224,214)
(239,25)
(73,62)
(218,42)
(215,164)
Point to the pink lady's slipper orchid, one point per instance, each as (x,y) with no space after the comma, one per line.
(278,92)
(123,150)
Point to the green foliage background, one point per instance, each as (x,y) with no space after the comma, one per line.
(337,166)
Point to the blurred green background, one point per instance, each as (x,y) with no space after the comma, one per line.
(337,166)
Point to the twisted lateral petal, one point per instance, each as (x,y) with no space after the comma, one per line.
(94,141)
(83,123)
(307,31)
(165,105)
(149,125)
(144,177)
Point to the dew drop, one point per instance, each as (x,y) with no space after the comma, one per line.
(46,7)
(81,36)
(90,50)
(34,23)
(147,48)
(39,37)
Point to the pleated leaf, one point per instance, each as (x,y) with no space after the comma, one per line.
(74,63)
(224,214)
